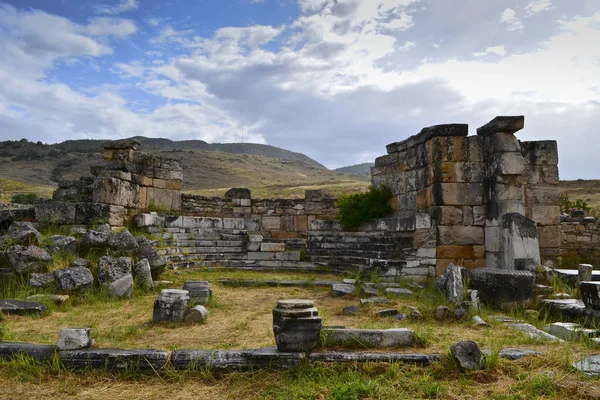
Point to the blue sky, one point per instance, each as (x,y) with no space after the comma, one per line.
(335,79)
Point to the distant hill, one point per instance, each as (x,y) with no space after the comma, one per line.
(363,169)
(95,146)
(211,172)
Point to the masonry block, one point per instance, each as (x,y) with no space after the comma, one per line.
(460,235)
(457,194)
(271,223)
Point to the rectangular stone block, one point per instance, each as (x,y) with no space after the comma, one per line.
(288,256)
(545,215)
(508,192)
(479,215)
(259,255)
(423,199)
(457,194)
(272,246)
(159,183)
(509,164)
(447,215)
(271,223)
(174,184)
(287,223)
(460,235)
(546,195)
(549,236)
(161,199)
(469,172)
(301,223)
(234,223)
(540,152)
(455,251)
(117,192)
(285,235)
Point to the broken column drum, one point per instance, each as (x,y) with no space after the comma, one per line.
(296,325)
(170,305)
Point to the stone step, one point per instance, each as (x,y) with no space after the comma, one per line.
(354,253)
(205,257)
(260,265)
(205,236)
(205,243)
(316,237)
(353,246)
(341,260)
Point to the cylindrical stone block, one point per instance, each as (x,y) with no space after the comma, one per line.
(585,272)
(296,325)
(170,305)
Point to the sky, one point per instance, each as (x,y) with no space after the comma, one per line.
(334,79)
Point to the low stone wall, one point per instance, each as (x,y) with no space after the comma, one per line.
(579,241)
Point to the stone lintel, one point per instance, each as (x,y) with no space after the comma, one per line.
(427,134)
(504,124)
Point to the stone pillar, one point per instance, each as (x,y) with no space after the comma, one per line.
(503,194)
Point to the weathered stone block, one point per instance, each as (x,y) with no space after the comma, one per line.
(504,124)
(455,251)
(545,215)
(301,223)
(461,235)
(499,286)
(540,152)
(457,194)
(170,305)
(272,246)
(162,198)
(74,279)
(272,223)
(509,164)
(549,236)
(447,215)
(115,191)
(590,294)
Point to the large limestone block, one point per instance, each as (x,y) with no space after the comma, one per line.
(115,191)
(161,198)
(460,235)
(511,163)
(455,251)
(549,236)
(457,194)
(502,287)
(540,152)
(156,261)
(74,279)
(546,215)
(469,172)
(271,223)
(56,213)
(111,269)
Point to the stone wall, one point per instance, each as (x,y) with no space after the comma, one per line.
(479,192)
(278,216)
(542,195)
(579,241)
(127,183)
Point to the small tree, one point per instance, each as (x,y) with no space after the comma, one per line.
(356,209)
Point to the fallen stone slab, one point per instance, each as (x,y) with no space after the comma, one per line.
(227,360)
(143,360)
(122,288)
(275,283)
(369,291)
(393,291)
(478,321)
(572,275)
(57,299)
(41,353)
(571,331)
(572,309)
(199,292)
(589,365)
(350,310)
(111,269)
(534,332)
(374,300)
(342,289)
(367,338)
(18,307)
(66,244)
(501,288)
(387,313)
(26,259)
(351,357)
(513,354)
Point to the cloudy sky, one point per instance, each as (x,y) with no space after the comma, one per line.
(334,79)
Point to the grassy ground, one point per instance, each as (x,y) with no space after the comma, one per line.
(241,318)
(8,188)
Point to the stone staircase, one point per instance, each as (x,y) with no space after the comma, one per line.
(352,252)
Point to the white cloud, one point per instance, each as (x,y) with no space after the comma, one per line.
(116,27)
(497,50)
(251,36)
(536,6)
(123,6)
(509,18)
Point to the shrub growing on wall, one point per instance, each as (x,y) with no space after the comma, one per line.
(356,209)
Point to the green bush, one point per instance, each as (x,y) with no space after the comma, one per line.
(24,198)
(356,209)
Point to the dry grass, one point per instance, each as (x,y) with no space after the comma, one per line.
(588,190)
(240,317)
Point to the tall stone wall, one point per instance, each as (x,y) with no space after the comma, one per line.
(542,194)
(486,195)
